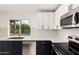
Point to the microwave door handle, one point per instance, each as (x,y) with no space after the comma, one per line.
(76,18)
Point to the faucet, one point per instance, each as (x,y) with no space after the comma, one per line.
(19,35)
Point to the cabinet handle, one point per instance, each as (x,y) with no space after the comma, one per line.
(42,27)
(48,27)
(57,26)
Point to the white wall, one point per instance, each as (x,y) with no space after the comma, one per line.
(6,16)
(63,34)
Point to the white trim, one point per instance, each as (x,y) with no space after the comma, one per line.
(74,40)
(68,26)
(9,28)
(77,25)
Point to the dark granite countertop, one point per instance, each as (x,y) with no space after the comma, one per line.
(63,48)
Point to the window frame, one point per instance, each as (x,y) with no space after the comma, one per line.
(20,28)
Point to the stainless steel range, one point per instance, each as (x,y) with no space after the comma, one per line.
(74,44)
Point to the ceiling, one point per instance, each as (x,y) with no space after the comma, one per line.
(28,7)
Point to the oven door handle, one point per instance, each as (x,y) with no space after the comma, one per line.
(57,51)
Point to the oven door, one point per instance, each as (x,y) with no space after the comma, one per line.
(74,47)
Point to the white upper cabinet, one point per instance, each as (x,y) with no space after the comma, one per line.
(75,6)
(46,20)
(51,20)
(36,21)
(39,20)
(58,13)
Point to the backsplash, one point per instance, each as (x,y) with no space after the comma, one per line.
(46,33)
(56,35)
(3,32)
(63,34)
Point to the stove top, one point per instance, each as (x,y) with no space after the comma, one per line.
(63,48)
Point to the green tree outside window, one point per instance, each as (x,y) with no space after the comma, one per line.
(19,27)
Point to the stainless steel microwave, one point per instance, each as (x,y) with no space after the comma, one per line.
(70,20)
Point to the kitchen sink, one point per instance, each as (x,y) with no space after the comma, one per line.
(16,38)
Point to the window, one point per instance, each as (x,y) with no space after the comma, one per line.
(19,27)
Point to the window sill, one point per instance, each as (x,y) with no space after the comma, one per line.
(21,36)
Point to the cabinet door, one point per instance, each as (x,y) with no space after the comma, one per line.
(43,48)
(0,48)
(51,20)
(17,47)
(40,20)
(36,21)
(45,20)
(75,6)
(6,48)
(10,48)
